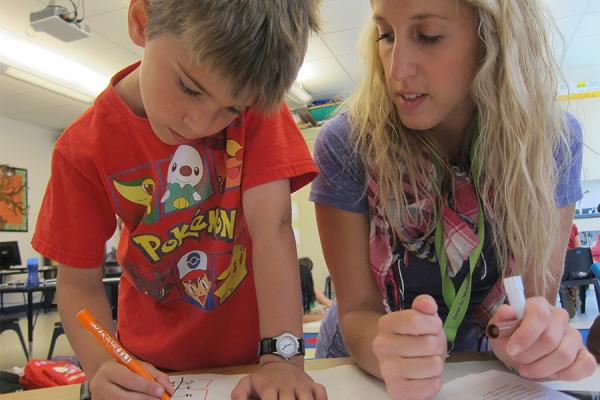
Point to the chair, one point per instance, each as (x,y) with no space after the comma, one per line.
(12,323)
(58,330)
(578,274)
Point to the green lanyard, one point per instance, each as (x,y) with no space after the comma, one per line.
(457,302)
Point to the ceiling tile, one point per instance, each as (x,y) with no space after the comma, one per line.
(566,8)
(15,14)
(583,51)
(354,15)
(593,7)
(92,7)
(112,26)
(567,27)
(352,65)
(342,42)
(589,25)
(331,81)
(316,49)
(13,86)
(587,73)
(112,60)
(18,103)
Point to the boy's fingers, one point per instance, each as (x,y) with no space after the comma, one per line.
(131,381)
(243,390)
(319,392)
(163,379)
(159,376)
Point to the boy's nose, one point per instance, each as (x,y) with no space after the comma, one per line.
(198,122)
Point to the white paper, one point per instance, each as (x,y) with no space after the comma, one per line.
(496,385)
(348,382)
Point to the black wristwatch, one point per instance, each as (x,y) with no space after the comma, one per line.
(285,346)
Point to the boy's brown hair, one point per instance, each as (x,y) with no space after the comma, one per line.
(257,45)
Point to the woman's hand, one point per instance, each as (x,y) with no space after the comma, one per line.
(114,381)
(411,350)
(279,380)
(544,346)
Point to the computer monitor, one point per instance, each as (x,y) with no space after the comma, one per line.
(9,254)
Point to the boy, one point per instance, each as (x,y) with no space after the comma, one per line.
(182,149)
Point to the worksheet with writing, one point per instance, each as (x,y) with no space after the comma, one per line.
(496,385)
(348,382)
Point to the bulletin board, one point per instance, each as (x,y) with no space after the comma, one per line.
(13,199)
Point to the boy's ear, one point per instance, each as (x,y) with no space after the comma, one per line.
(137,18)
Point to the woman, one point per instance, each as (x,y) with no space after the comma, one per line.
(453,168)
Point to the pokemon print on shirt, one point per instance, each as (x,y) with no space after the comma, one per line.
(181,204)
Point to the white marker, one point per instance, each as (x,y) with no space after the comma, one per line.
(516,294)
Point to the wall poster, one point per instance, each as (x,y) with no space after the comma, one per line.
(13,199)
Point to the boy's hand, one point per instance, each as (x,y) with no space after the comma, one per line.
(411,350)
(114,381)
(279,380)
(544,346)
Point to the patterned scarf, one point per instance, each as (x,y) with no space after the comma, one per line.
(459,215)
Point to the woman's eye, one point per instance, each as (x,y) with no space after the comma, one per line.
(386,37)
(429,39)
(187,90)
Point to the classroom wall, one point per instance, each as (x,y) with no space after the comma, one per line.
(26,146)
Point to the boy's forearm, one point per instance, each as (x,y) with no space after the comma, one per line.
(277,283)
(71,299)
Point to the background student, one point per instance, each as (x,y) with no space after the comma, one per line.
(453,167)
(193,151)
(311,295)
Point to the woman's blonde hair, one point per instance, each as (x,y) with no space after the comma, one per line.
(520,127)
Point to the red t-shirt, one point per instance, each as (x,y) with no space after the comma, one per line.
(187,298)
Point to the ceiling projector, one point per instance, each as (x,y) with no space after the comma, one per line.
(55,21)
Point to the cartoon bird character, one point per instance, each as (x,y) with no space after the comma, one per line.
(192,269)
(233,163)
(233,274)
(185,172)
(140,191)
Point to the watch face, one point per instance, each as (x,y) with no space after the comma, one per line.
(287,345)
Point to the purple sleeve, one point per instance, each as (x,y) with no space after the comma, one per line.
(341,182)
(568,187)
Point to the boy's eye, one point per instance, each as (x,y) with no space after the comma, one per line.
(386,37)
(235,111)
(187,90)
(429,39)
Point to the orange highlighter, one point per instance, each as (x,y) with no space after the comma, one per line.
(112,346)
